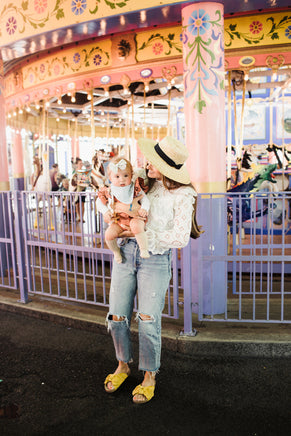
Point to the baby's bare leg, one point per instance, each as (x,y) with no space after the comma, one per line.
(111,234)
(137,228)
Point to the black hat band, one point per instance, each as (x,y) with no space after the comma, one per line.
(166,158)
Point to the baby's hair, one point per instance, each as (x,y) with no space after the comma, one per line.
(117,159)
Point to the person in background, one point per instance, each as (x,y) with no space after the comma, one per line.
(54,177)
(80,206)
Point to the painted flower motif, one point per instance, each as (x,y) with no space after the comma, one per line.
(57,69)
(31,78)
(76,58)
(256,27)
(288,32)
(11,25)
(40,6)
(158,48)
(42,68)
(198,22)
(97,59)
(78,6)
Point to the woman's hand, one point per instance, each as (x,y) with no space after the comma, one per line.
(131,209)
(143,213)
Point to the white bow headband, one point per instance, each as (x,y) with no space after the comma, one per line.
(121,165)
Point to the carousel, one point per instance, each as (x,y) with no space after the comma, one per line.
(85,79)
(71,91)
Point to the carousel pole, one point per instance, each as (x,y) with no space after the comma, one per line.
(152,120)
(92,126)
(283,138)
(132,150)
(107,129)
(229,130)
(271,117)
(45,149)
(76,139)
(169,114)
(144,112)
(127,134)
(119,145)
(241,143)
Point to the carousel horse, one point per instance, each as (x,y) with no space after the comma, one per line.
(264,180)
(41,183)
(98,177)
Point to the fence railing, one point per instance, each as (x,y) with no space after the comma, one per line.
(239,270)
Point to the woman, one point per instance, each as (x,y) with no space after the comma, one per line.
(172,198)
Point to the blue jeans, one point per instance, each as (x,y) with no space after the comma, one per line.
(149,278)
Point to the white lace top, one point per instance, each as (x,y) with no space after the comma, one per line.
(169,219)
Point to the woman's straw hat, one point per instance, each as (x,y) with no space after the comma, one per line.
(168,156)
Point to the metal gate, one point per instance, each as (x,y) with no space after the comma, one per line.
(239,270)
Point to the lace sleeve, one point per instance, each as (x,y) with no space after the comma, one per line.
(178,233)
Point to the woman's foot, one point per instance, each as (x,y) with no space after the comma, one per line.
(122,368)
(148,381)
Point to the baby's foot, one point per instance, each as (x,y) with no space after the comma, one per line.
(144,254)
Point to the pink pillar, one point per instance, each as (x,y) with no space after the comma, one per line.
(17,161)
(4,176)
(204,99)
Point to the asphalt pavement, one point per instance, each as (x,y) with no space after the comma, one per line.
(51,383)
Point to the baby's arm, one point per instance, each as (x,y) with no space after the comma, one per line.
(145,206)
(101,207)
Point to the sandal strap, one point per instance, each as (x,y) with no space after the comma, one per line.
(116,379)
(146,391)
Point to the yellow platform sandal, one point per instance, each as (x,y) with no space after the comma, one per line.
(116,380)
(146,391)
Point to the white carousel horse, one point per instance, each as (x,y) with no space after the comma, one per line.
(98,177)
(41,183)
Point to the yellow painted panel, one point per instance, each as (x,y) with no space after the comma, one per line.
(26,18)
(259,30)
(158,43)
(75,60)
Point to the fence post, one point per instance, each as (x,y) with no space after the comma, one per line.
(20,248)
(3,228)
(187,280)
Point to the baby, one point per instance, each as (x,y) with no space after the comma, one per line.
(123,189)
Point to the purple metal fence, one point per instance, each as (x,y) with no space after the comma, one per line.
(239,270)
(252,260)
(60,256)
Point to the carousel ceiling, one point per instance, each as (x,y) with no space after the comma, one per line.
(116,104)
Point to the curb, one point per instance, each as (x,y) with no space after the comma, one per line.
(196,346)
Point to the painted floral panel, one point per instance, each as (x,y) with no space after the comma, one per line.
(80,59)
